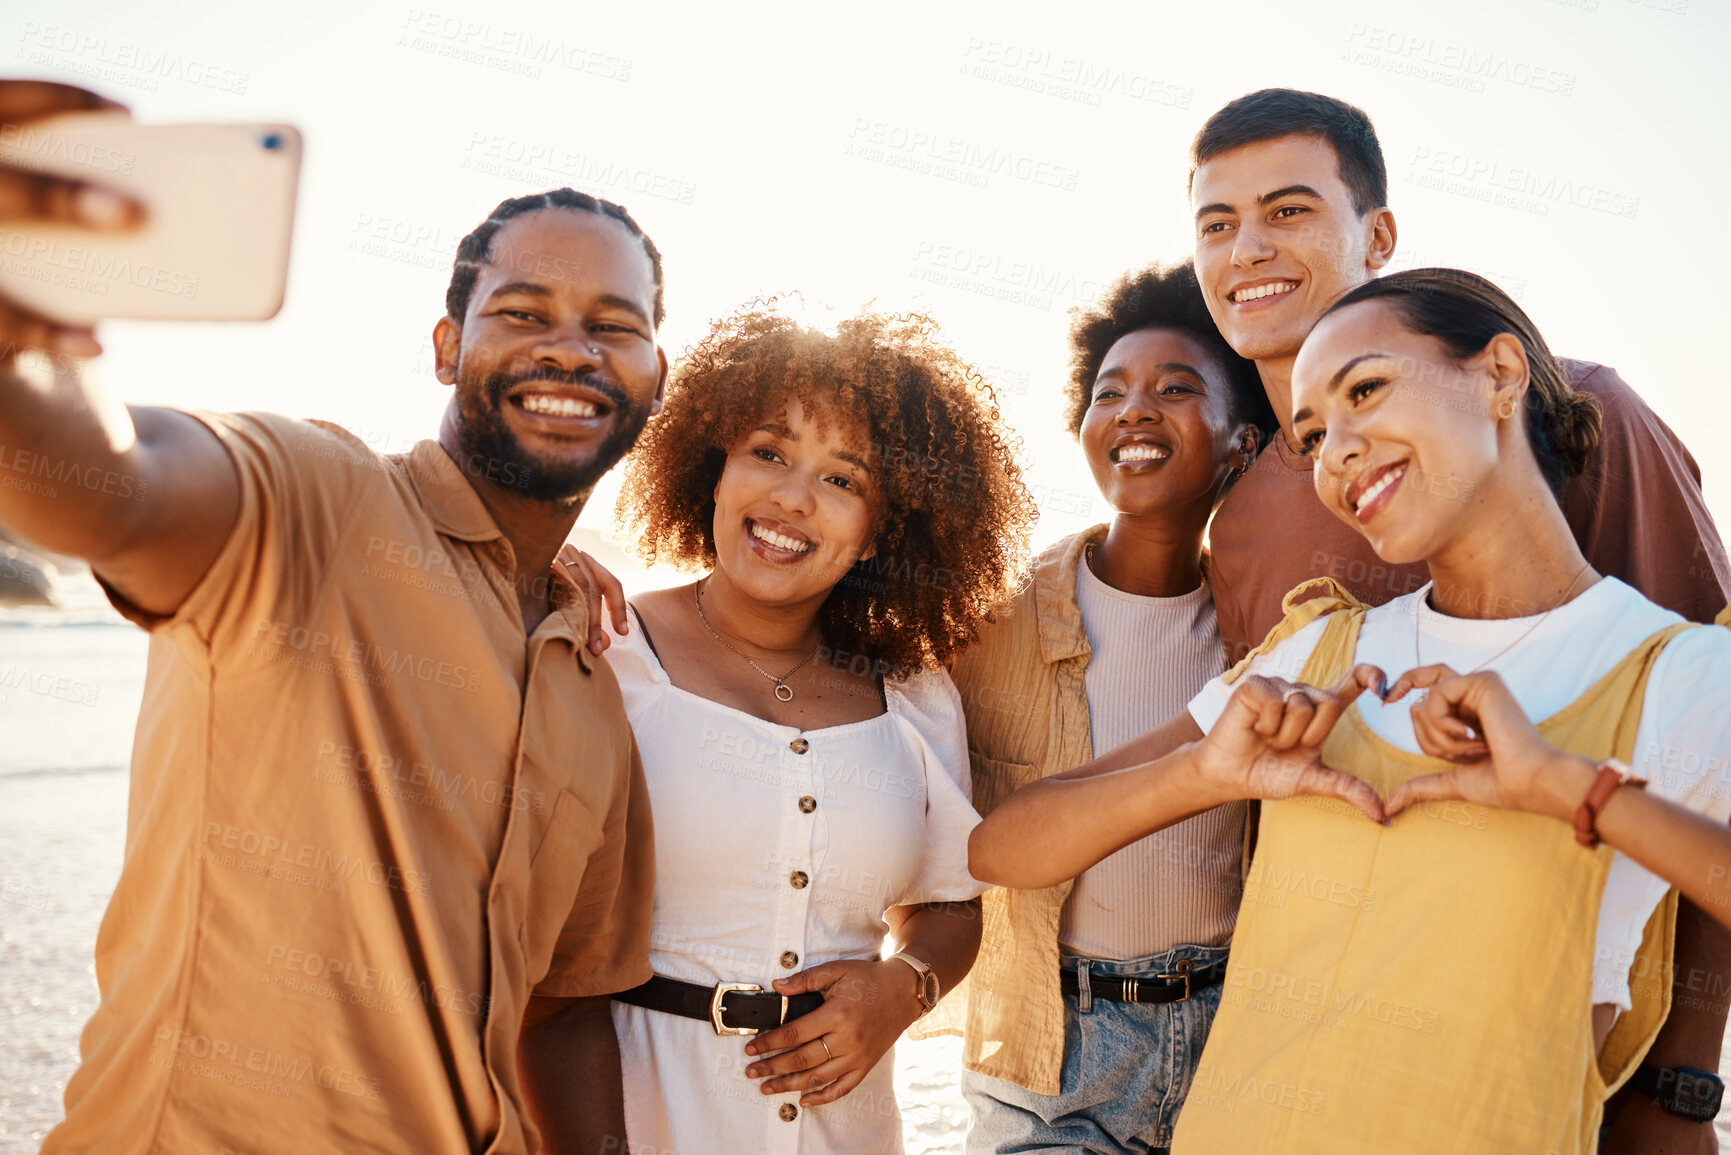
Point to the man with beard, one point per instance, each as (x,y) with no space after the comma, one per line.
(388,843)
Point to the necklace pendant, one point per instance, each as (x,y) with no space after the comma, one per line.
(783,692)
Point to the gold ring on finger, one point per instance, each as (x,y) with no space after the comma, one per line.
(826,1049)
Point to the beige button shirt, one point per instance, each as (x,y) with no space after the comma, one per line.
(368,818)
(1024,693)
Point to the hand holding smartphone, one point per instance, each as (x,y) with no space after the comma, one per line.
(214,243)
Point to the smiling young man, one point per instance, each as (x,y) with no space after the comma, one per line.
(388,847)
(1291,209)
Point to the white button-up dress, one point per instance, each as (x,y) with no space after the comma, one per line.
(776,850)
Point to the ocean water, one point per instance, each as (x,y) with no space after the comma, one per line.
(70,685)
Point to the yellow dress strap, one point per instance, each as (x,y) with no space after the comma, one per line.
(1333,598)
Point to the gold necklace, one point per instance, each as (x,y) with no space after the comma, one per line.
(1418,662)
(783,691)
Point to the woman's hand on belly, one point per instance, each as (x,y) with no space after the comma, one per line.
(866,1007)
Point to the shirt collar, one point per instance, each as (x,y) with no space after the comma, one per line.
(457,511)
(446,495)
(1062,634)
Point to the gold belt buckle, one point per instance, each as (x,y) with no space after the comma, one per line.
(1183,972)
(715,1008)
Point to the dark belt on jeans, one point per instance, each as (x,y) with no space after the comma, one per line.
(731,1008)
(1184,981)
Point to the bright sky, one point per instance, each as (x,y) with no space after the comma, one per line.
(992,165)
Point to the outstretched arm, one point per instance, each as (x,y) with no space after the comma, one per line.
(148,496)
(1267,744)
(1506,763)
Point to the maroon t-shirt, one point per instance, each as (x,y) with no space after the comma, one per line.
(1637,512)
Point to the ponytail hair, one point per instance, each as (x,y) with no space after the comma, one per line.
(1464,311)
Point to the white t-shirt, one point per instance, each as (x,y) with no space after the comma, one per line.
(871,815)
(1682,746)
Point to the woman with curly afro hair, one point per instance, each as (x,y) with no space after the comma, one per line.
(1101,989)
(857,511)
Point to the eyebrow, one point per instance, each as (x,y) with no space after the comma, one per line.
(1339,376)
(787,434)
(1291,190)
(606,300)
(1163,367)
(528,288)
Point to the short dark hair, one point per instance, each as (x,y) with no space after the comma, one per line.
(1158,297)
(1464,311)
(475,248)
(1276,112)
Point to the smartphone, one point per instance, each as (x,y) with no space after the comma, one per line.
(219,205)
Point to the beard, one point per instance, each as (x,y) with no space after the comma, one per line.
(484,436)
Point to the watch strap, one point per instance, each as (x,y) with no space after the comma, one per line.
(924,977)
(1680,1091)
(1612,774)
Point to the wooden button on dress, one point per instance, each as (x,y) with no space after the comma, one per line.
(798,879)
(799,745)
(789,959)
(807,804)
(789,1112)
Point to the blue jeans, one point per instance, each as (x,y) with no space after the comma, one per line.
(1127,1068)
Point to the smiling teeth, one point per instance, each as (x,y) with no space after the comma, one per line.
(1261,291)
(1382,483)
(779,540)
(558,406)
(1142,453)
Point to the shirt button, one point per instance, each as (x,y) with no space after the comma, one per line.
(789,959)
(799,745)
(788,1112)
(798,880)
(807,804)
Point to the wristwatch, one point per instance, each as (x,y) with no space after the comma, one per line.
(927,988)
(1685,1091)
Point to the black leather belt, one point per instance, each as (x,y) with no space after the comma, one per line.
(1186,980)
(731,1008)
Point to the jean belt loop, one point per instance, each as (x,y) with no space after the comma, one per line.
(1084,987)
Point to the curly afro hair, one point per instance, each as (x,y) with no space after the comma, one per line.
(953,515)
(1158,297)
